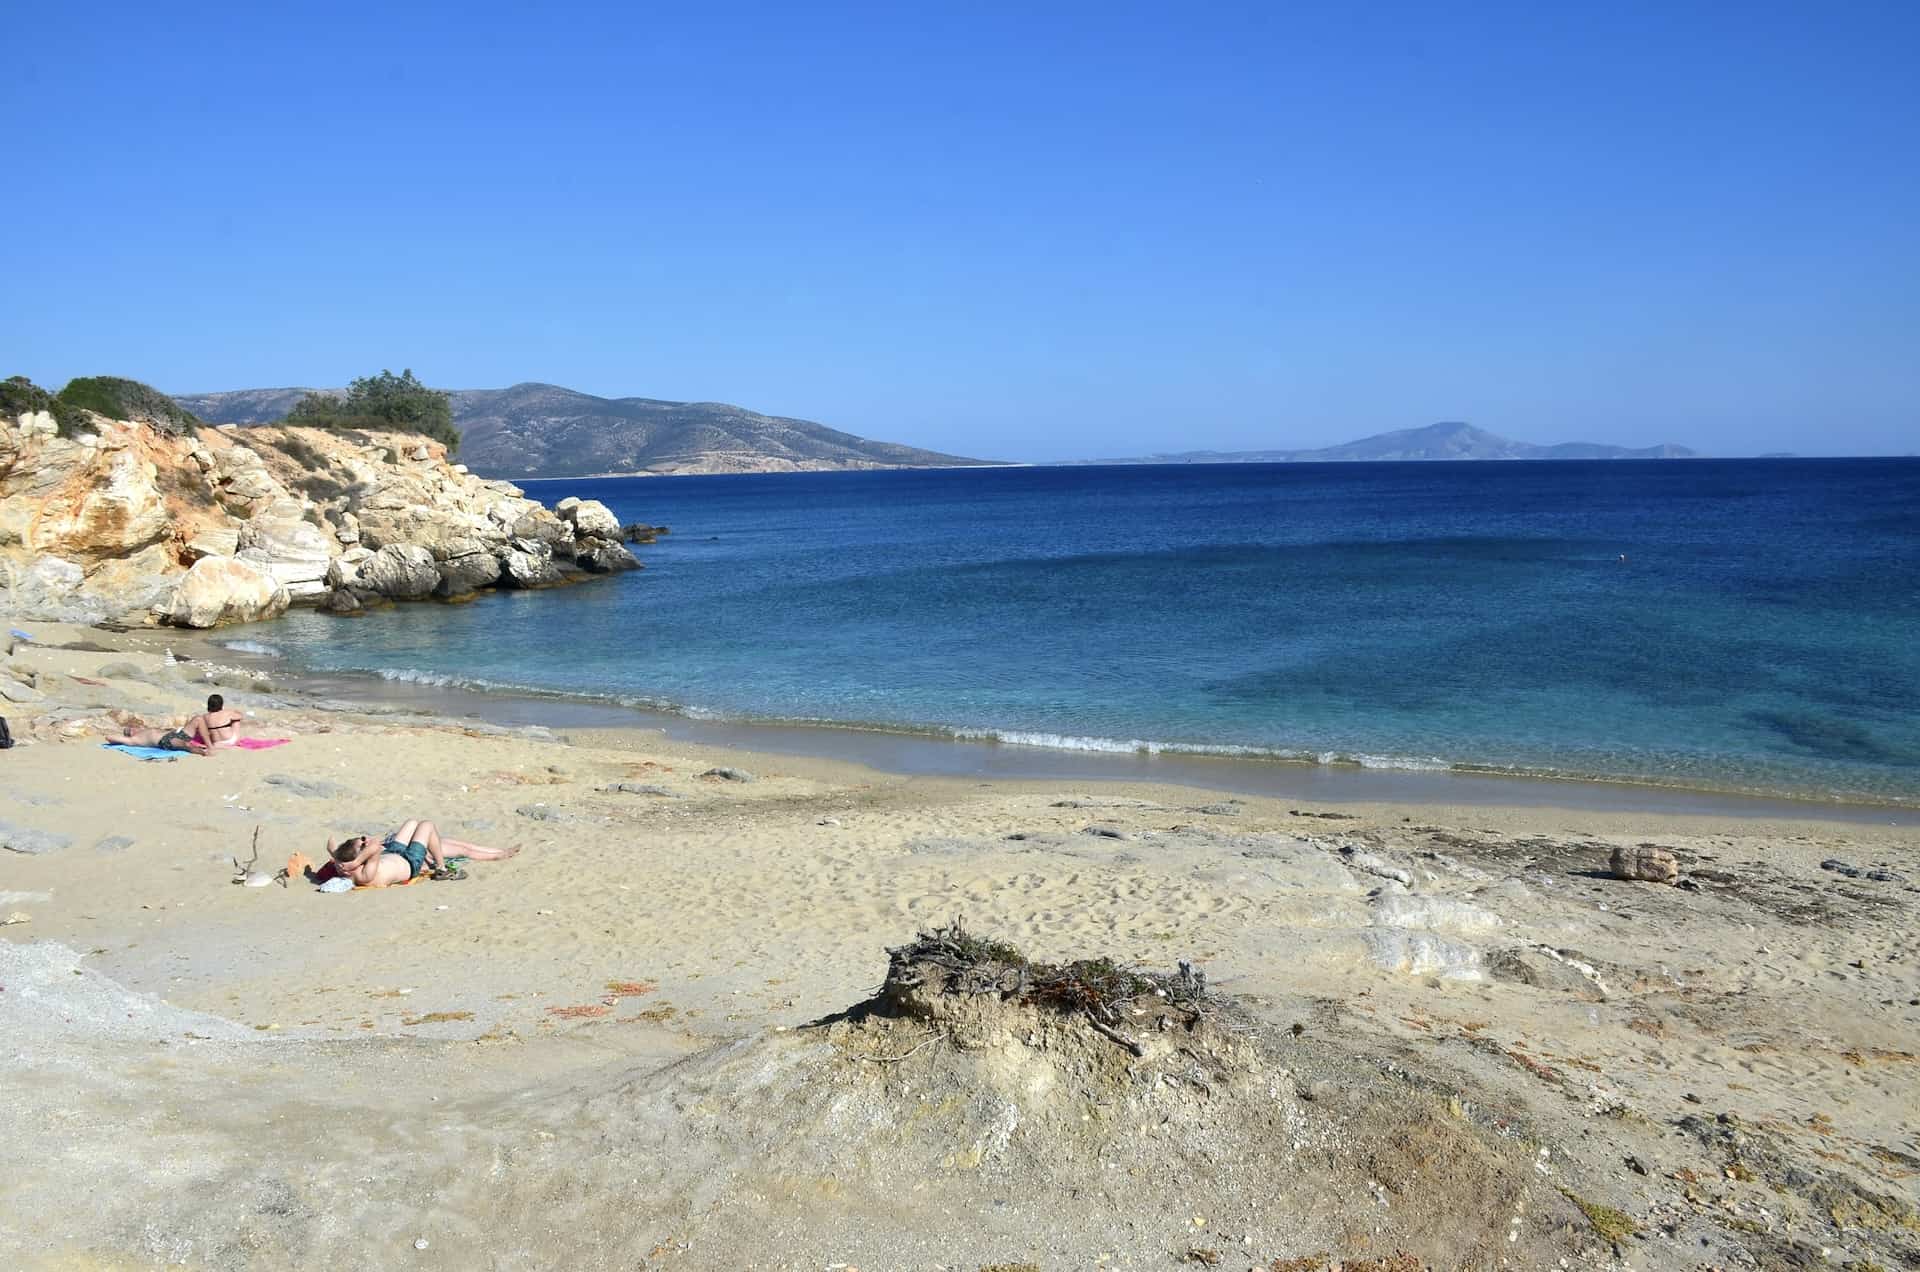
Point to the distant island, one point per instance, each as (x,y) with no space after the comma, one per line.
(1434,442)
(543,430)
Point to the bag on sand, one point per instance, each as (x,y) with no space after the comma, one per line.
(6,734)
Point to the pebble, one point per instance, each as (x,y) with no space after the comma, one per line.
(1877,874)
(420,1243)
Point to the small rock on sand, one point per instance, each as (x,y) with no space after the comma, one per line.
(114,843)
(1649,863)
(306,787)
(640,788)
(33,843)
(1877,874)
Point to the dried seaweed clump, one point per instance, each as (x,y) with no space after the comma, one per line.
(952,960)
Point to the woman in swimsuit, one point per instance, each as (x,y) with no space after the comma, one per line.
(216,726)
(412,849)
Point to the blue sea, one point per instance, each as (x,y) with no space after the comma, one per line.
(1738,625)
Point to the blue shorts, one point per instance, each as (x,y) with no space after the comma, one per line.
(415,854)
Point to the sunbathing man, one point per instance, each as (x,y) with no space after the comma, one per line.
(414,848)
(164,739)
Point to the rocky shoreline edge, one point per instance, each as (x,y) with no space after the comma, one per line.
(142,522)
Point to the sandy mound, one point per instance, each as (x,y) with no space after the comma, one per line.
(985,1109)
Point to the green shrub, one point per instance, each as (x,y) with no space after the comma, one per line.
(384,402)
(120,399)
(19,395)
(301,451)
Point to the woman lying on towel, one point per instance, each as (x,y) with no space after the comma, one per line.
(412,849)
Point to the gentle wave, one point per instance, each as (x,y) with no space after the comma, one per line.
(1228,750)
(250,647)
(1002,737)
(1091,744)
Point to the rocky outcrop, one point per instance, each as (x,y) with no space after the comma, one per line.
(589,518)
(398,571)
(529,563)
(125,522)
(219,590)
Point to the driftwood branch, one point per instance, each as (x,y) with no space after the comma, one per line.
(240,872)
(1108,1031)
(927,1041)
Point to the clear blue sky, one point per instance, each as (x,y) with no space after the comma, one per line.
(1023,231)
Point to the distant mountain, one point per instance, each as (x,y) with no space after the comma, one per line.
(1435,441)
(542,430)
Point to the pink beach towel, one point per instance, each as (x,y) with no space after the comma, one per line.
(260,744)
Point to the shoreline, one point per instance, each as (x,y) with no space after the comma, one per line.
(917,753)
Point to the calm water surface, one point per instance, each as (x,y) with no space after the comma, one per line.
(1738,625)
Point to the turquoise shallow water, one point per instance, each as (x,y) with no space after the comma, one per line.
(1761,634)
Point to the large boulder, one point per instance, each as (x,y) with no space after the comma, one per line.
(137,588)
(241,482)
(399,571)
(85,500)
(47,591)
(109,506)
(218,542)
(292,548)
(221,590)
(468,566)
(344,570)
(541,526)
(530,563)
(590,518)
(603,556)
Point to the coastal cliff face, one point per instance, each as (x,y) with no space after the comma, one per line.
(126,522)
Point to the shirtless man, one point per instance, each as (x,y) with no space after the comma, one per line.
(164,739)
(413,848)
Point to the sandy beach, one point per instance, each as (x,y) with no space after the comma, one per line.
(1448,1036)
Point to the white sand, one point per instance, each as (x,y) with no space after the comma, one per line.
(635,929)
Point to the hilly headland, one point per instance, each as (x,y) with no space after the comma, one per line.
(1443,441)
(542,430)
(118,505)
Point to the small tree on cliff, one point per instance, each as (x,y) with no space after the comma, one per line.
(386,401)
